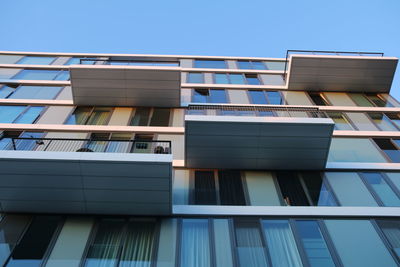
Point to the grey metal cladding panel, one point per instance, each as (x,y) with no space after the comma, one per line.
(223,152)
(151,84)
(153,102)
(123,208)
(81,84)
(223,163)
(297,164)
(36,167)
(100,101)
(126,183)
(66,207)
(99,92)
(40,181)
(41,194)
(163,75)
(130,169)
(296,129)
(221,128)
(96,73)
(127,196)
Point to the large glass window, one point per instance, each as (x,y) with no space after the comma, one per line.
(210,64)
(275,65)
(252,79)
(281,243)
(195,243)
(391,230)
(151,117)
(389,147)
(89,116)
(19,114)
(381,189)
(195,77)
(31,249)
(9,59)
(8,73)
(252,65)
(382,121)
(32,60)
(209,96)
(249,245)
(29,92)
(314,244)
(27,74)
(341,122)
(370,100)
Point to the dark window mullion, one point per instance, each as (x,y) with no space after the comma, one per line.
(299,245)
(371,190)
(264,242)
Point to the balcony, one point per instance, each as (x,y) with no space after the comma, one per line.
(83,176)
(256,137)
(126,83)
(340,71)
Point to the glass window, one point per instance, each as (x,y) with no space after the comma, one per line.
(30,115)
(32,60)
(258,97)
(141,117)
(318,99)
(292,191)
(391,230)
(42,75)
(99,116)
(236,78)
(231,188)
(318,190)
(119,146)
(79,116)
(9,59)
(389,148)
(394,118)
(160,117)
(200,95)
(261,188)
(7,90)
(394,178)
(275,65)
(204,188)
(314,244)
(378,185)
(222,238)
(8,73)
(217,96)
(378,101)
(8,114)
(272,79)
(354,150)
(255,65)
(341,122)
(274,97)
(195,243)
(382,121)
(73,61)
(31,249)
(360,99)
(35,92)
(358,244)
(249,246)
(221,78)
(195,77)
(281,243)
(252,79)
(210,64)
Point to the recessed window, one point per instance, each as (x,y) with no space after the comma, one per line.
(383,121)
(20,114)
(151,117)
(251,65)
(388,146)
(210,64)
(195,77)
(341,122)
(318,99)
(29,92)
(89,116)
(32,60)
(265,97)
(252,79)
(209,96)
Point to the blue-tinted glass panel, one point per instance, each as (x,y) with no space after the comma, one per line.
(390,150)
(36,75)
(217,96)
(200,95)
(381,188)
(8,114)
(314,244)
(244,64)
(221,78)
(281,244)
(36,92)
(195,243)
(236,79)
(274,98)
(31,60)
(258,65)
(382,121)
(30,115)
(258,97)
(250,249)
(252,79)
(212,64)
(6,91)
(62,76)
(195,77)
(391,230)
(73,61)
(9,59)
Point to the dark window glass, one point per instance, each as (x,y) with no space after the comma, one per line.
(249,245)
(200,95)
(391,230)
(252,79)
(204,188)
(381,188)
(318,99)
(394,118)
(89,116)
(378,101)
(32,60)
(341,123)
(291,189)
(314,244)
(318,189)
(32,248)
(390,150)
(195,77)
(141,117)
(212,64)
(257,97)
(160,117)
(217,96)
(231,188)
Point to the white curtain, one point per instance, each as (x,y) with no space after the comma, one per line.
(281,244)
(195,244)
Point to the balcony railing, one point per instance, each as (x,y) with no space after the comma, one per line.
(255,111)
(86,145)
(130,62)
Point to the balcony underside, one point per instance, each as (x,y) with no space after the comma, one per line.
(341,73)
(126,85)
(257,142)
(85,183)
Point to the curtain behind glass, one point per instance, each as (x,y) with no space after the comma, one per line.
(99,116)
(231,188)
(138,248)
(195,243)
(281,244)
(106,245)
(250,249)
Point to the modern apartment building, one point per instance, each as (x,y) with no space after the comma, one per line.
(196,161)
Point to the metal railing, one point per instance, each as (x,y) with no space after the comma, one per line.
(130,62)
(255,111)
(322,52)
(85,145)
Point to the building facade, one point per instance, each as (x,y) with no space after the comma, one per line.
(181,161)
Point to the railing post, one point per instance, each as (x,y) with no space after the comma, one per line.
(13,143)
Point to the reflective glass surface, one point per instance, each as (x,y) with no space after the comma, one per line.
(212,64)
(32,60)
(382,189)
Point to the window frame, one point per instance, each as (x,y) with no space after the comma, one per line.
(90,114)
(151,113)
(371,189)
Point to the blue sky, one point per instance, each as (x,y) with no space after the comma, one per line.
(262,28)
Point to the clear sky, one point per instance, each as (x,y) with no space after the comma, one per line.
(262,28)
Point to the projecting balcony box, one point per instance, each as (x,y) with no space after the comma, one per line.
(256,138)
(78,176)
(157,85)
(340,71)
